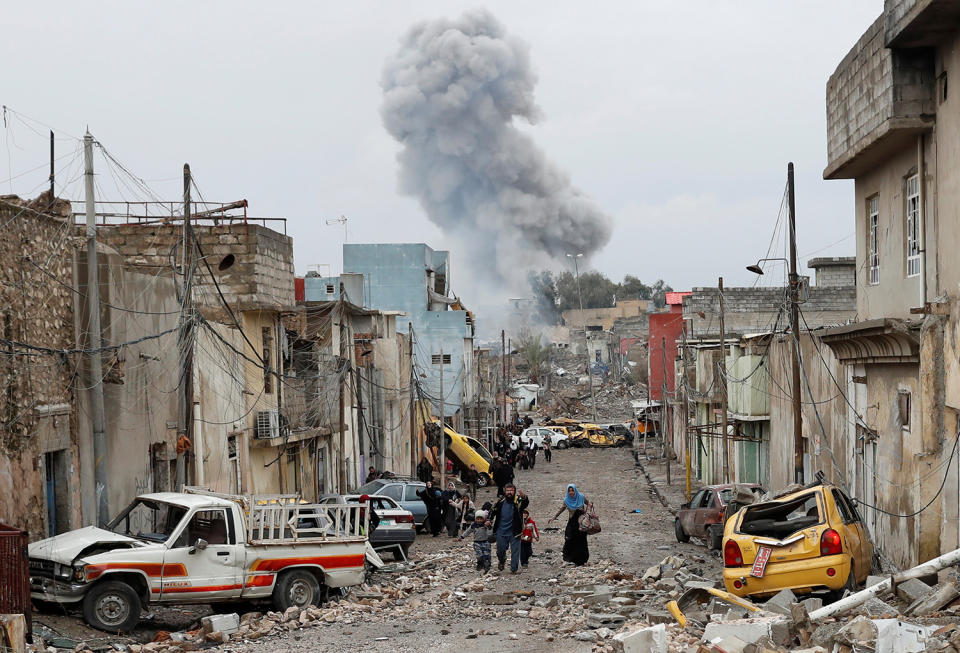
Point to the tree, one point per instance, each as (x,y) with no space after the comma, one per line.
(597,290)
(534,352)
(544,291)
(659,290)
(632,288)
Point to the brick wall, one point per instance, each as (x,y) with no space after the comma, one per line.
(260,277)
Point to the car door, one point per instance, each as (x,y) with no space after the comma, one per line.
(212,570)
(708,505)
(688,515)
(853,533)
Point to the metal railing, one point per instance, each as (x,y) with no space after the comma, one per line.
(288,523)
(15,575)
(114,213)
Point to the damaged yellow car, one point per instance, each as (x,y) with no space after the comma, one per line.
(809,540)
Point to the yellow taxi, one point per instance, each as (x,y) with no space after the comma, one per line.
(604,438)
(468,451)
(809,540)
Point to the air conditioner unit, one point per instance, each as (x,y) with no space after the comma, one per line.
(268,424)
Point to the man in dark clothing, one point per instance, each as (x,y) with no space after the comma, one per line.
(507,516)
(502,475)
(424,470)
(431,499)
(372,475)
(470,479)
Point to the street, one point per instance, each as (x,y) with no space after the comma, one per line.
(440,619)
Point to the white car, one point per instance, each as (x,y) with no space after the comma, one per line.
(538,434)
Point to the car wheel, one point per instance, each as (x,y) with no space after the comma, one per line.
(483,480)
(112,606)
(681,534)
(562,444)
(714,538)
(296,588)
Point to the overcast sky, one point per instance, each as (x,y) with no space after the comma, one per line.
(677,118)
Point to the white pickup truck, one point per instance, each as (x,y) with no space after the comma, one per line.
(201,547)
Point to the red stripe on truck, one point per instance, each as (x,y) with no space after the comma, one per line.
(327,562)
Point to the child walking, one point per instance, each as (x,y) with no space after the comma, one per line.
(482,530)
(528,536)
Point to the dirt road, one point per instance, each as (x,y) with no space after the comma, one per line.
(442,620)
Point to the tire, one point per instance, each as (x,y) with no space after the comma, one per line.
(112,606)
(483,480)
(714,538)
(297,588)
(680,533)
(562,445)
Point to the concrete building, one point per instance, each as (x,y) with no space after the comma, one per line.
(665,331)
(414,279)
(893,127)
(604,318)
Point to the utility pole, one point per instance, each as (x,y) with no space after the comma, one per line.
(477,393)
(664,409)
(414,448)
(96,342)
(342,463)
(586,344)
(185,335)
(509,368)
(795,327)
(503,360)
(723,387)
(443,431)
(51,168)
(686,404)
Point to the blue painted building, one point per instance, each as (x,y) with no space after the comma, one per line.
(415,279)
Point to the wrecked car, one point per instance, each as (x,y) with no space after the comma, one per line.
(200,547)
(704,515)
(809,540)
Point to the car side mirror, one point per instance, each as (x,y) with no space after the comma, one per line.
(199,545)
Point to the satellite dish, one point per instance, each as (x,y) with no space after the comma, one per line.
(227,262)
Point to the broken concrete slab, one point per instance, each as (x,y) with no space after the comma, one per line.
(601,597)
(781,602)
(876,608)
(224,623)
(913,590)
(601,619)
(748,630)
(652,639)
(940,596)
(812,603)
(728,644)
(498,599)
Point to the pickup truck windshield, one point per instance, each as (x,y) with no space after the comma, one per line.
(144,519)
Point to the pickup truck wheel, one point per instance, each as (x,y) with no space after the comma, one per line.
(112,606)
(681,534)
(297,588)
(714,538)
(483,480)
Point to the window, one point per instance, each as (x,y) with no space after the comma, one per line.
(411,492)
(267,334)
(209,525)
(435,359)
(697,498)
(903,409)
(392,491)
(329,288)
(913,226)
(873,243)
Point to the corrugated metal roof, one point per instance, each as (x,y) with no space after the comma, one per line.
(675,298)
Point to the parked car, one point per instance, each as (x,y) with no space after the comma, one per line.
(396,528)
(622,430)
(809,540)
(199,547)
(560,438)
(401,490)
(604,438)
(703,515)
(539,434)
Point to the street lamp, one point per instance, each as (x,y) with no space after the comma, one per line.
(756,269)
(586,344)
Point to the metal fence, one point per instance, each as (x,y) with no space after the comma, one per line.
(15,574)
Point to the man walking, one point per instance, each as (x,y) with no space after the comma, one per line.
(507,516)
(502,475)
(471,477)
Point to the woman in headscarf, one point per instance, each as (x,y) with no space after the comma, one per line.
(450,500)
(575,549)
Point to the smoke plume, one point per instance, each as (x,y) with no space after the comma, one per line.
(451,95)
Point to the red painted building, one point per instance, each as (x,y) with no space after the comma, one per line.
(665,326)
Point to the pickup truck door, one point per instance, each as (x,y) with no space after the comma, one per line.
(214,571)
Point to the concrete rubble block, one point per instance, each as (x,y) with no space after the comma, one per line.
(652,639)
(812,603)
(913,590)
(652,573)
(498,599)
(659,617)
(622,600)
(728,644)
(225,623)
(874,580)
(601,619)
(665,585)
(781,602)
(940,596)
(699,584)
(13,633)
(601,597)
(749,630)
(884,635)
(764,645)
(874,607)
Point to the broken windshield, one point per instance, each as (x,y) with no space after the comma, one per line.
(780,519)
(146,519)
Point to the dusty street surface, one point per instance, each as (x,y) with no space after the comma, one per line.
(448,614)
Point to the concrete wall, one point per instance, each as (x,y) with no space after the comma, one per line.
(836,271)
(664,327)
(261,275)
(605,317)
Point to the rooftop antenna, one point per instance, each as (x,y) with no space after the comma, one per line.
(341,220)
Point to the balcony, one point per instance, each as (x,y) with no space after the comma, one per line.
(878,100)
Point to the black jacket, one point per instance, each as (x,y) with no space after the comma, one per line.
(503,474)
(519,505)
(424,471)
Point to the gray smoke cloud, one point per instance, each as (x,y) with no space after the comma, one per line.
(451,95)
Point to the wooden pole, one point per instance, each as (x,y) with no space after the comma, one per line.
(342,463)
(723,388)
(414,445)
(686,406)
(795,327)
(664,408)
